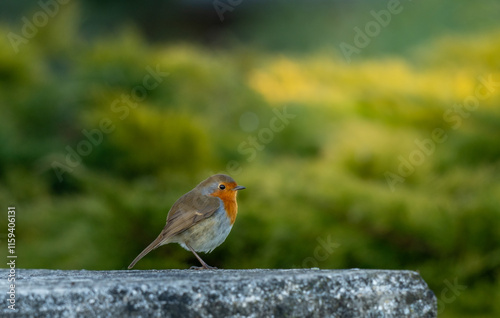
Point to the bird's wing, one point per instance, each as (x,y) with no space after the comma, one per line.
(190,209)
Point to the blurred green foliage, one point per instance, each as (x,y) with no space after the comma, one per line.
(322,178)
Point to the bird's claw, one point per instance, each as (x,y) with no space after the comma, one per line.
(199,268)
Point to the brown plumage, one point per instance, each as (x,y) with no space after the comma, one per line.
(201,219)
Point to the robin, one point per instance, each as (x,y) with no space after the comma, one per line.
(201,219)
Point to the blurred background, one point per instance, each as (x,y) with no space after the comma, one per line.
(367,134)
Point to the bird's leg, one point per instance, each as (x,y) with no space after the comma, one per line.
(204,265)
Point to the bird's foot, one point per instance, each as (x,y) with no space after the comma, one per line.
(199,268)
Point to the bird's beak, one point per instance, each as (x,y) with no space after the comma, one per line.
(239,188)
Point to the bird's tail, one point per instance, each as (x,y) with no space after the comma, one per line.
(160,240)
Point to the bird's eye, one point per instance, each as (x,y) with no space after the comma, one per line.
(222,187)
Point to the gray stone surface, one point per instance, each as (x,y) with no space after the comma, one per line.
(219,293)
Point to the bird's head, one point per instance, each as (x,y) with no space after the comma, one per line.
(220,185)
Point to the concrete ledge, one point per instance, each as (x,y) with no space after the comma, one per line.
(220,293)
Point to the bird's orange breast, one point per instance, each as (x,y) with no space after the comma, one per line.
(230,205)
